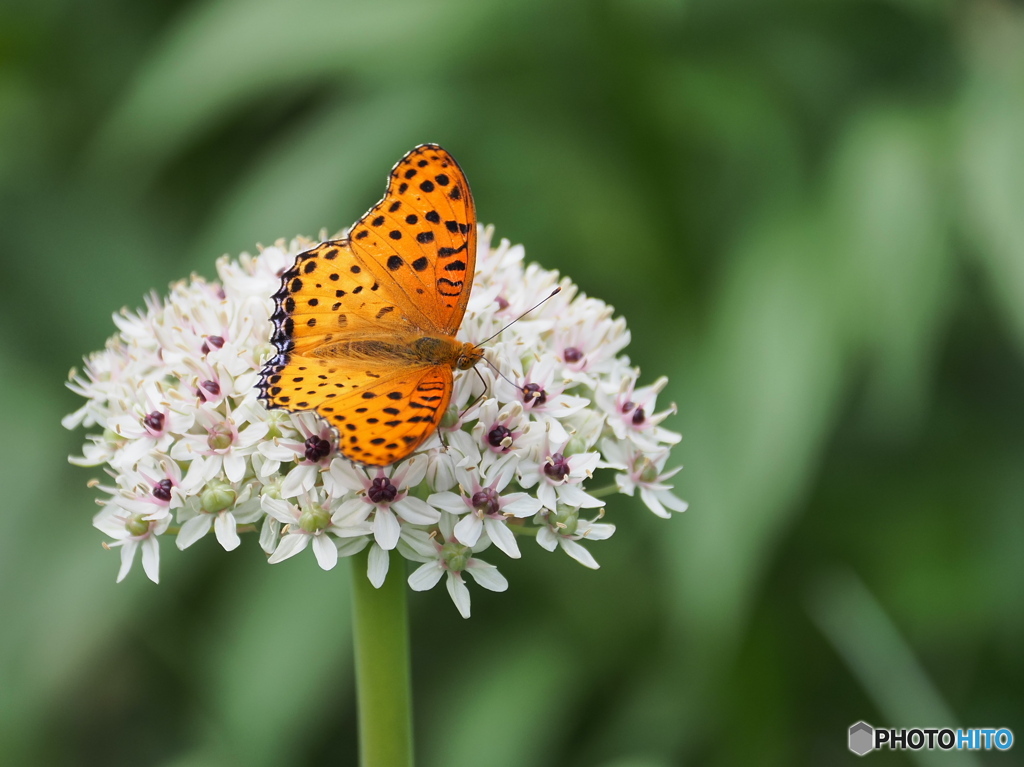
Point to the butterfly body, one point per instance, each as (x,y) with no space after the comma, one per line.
(413,349)
(365,326)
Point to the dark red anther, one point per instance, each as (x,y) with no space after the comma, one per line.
(154,421)
(502,303)
(163,490)
(638,416)
(572,355)
(382,491)
(534,394)
(215,341)
(557,467)
(211,386)
(626,407)
(486,500)
(497,435)
(317,449)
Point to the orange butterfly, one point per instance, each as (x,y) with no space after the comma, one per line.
(364,326)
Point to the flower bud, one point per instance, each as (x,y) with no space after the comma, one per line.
(566,520)
(220,437)
(314,518)
(136,525)
(216,496)
(456,556)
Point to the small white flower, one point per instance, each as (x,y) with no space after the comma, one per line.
(485,510)
(386,495)
(222,506)
(133,532)
(565,528)
(559,478)
(448,555)
(644,472)
(307,522)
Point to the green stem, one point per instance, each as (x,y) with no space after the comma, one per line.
(380,625)
(604,492)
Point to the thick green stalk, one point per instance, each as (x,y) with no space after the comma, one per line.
(383,689)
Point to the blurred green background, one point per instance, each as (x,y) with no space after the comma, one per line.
(812,216)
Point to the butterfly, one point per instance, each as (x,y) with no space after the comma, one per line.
(364,326)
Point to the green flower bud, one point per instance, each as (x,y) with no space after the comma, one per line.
(272,486)
(456,556)
(136,525)
(275,418)
(220,437)
(566,520)
(216,496)
(646,469)
(314,518)
(574,446)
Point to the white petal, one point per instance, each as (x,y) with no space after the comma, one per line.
(276,451)
(226,529)
(547,496)
(459,593)
(151,558)
(350,512)
(501,474)
(426,576)
(127,557)
(193,530)
(579,553)
(573,495)
(520,505)
(468,529)
(416,545)
(269,533)
(670,500)
(325,550)
(280,510)
(596,532)
(248,512)
(289,546)
(193,478)
(234,466)
(386,528)
(486,575)
(347,476)
(547,539)
(416,511)
(415,470)
(350,546)
(299,480)
(583,463)
(377,566)
(448,501)
(502,537)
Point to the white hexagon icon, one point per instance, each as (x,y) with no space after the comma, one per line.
(862,738)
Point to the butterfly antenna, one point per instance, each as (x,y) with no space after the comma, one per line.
(553,293)
(495,369)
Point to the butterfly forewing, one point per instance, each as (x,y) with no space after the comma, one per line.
(349,313)
(423,234)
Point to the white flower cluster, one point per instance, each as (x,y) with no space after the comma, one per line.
(186,441)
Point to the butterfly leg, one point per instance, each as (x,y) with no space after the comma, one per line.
(476,399)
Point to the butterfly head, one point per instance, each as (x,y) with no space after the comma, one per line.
(469,356)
